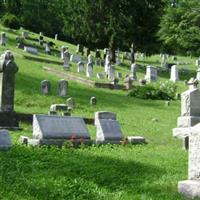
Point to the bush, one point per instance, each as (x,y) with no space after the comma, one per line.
(11,21)
(159,91)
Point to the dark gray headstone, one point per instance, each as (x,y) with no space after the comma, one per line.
(5,141)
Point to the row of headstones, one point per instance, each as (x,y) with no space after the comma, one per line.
(55,130)
(62,87)
(189,131)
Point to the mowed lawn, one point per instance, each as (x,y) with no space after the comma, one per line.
(145,172)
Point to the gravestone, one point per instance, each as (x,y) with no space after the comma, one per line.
(128,82)
(107,128)
(174,74)
(63,49)
(111,72)
(62,88)
(191,187)
(151,74)
(56,37)
(80,67)
(89,70)
(31,50)
(55,130)
(40,39)
(190,110)
(198,75)
(71,103)
(90,59)
(93,101)
(107,63)
(3,39)
(25,34)
(45,87)
(75,58)
(8,68)
(133,71)
(66,57)
(47,48)
(5,141)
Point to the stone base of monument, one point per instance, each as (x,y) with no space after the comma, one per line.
(9,120)
(187,121)
(189,188)
(56,142)
(181,133)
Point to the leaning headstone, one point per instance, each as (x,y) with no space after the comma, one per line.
(3,39)
(93,101)
(174,74)
(190,110)
(89,70)
(151,74)
(5,141)
(191,187)
(45,87)
(80,67)
(133,71)
(71,103)
(31,50)
(62,88)
(107,128)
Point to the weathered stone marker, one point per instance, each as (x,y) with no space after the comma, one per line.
(8,68)
(107,128)
(3,39)
(174,74)
(5,141)
(191,187)
(151,74)
(45,87)
(62,88)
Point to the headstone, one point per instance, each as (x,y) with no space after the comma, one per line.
(100,75)
(66,57)
(107,128)
(45,87)
(90,59)
(47,48)
(8,68)
(111,72)
(198,75)
(25,34)
(133,71)
(63,49)
(191,187)
(174,74)
(31,50)
(3,39)
(40,39)
(62,88)
(71,103)
(107,64)
(128,82)
(89,70)
(151,74)
(58,107)
(136,139)
(5,141)
(75,58)
(190,110)
(93,101)
(56,36)
(55,130)
(80,67)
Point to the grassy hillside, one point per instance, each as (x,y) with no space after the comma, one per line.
(143,172)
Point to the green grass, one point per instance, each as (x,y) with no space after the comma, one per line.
(146,172)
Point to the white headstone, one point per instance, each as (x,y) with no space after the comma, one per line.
(63,49)
(107,64)
(133,71)
(174,74)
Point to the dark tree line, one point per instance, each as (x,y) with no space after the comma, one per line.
(93,23)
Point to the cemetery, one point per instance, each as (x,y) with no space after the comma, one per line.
(74,124)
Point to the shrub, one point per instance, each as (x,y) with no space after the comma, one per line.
(159,91)
(11,21)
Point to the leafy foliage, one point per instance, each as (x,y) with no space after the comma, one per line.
(165,91)
(11,21)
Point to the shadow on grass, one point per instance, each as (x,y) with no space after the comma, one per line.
(71,174)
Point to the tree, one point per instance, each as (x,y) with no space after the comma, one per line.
(180,27)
